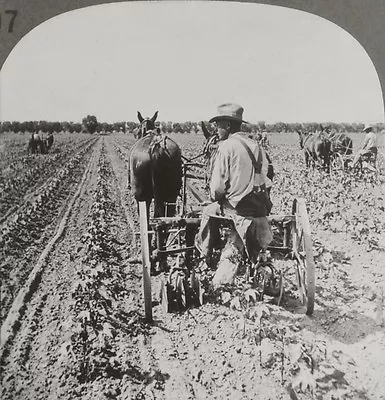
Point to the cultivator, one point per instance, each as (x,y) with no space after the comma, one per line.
(168,249)
(173,251)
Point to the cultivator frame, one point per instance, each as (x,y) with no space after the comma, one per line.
(369,164)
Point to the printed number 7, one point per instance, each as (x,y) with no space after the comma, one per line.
(12,21)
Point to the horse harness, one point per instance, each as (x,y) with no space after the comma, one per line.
(158,140)
(257,163)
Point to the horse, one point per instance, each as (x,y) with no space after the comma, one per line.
(36,144)
(316,147)
(48,142)
(155,168)
(211,146)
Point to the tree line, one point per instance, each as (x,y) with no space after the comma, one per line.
(90,124)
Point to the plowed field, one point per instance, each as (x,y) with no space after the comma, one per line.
(72,304)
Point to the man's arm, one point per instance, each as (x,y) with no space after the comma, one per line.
(219,178)
(366,140)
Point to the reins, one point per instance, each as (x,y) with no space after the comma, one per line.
(204,151)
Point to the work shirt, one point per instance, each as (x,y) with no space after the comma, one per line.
(233,176)
(370,140)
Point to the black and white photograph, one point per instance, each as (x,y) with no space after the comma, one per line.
(192,200)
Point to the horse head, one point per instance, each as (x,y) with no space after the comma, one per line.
(146,124)
(303,135)
(209,149)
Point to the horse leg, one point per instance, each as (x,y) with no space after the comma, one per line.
(129,178)
(327,163)
(307,161)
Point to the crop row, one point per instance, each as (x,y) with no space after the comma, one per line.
(98,290)
(341,203)
(27,173)
(17,237)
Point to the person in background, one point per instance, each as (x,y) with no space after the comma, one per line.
(264,139)
(368,149)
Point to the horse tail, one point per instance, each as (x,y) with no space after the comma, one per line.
(166,171)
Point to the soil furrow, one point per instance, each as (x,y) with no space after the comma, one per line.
(18,307)
(83,333)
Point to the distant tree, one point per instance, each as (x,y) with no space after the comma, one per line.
(296,126)
(5,126)
(27,126)
(130,126)
(194,128)
(90,123)
(15,126)
(43,126)
(119,126)
(261,126)
(176,127)
(169,127)
(280,127)
(77,127)
(104,126)
(65,125)
(246,128)
(56,127)
(186,126)
(71,127)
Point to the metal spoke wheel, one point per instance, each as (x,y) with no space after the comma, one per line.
(303,252)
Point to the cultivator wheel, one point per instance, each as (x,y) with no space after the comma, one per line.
(303,253)
(181,290)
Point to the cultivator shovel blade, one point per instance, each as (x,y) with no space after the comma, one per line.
(180,292)
(196,291)
(181,298)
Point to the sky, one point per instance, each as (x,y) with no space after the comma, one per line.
(186,58)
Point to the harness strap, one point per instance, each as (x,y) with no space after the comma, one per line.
(256,163)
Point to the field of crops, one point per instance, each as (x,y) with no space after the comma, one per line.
(71,295)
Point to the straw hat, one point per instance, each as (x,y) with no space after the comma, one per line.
(229,112)
(367,128)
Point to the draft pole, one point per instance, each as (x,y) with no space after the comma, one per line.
(145,260)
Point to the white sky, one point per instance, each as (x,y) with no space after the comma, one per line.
(184,59)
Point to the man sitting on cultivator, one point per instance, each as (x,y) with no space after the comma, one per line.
(238,189)
(369,147)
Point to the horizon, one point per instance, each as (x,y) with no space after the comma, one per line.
(158,121)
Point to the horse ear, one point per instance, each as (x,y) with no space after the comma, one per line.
(153,119)
(205,130)
(140,118)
